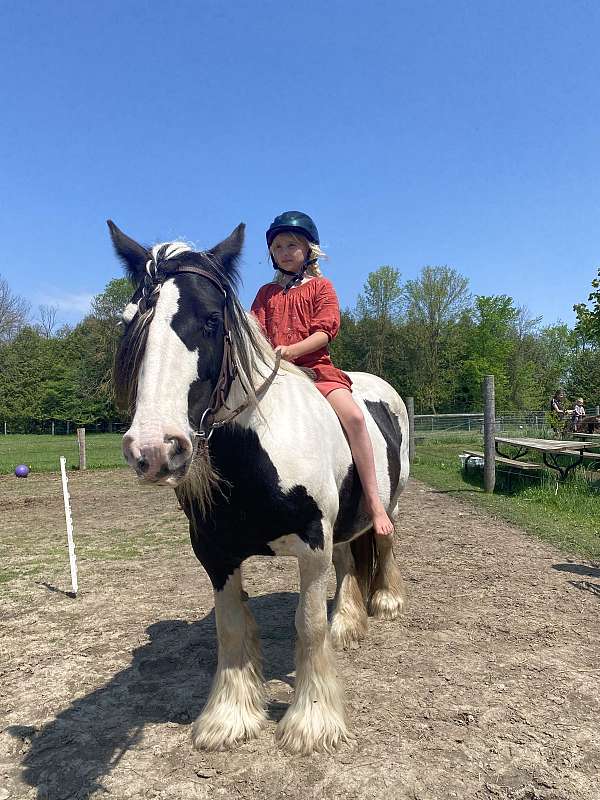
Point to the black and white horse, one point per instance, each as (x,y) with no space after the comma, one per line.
(261,466)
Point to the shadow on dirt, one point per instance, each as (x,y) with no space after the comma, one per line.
(168,681)
(54,589)
(587,586)
(578,569)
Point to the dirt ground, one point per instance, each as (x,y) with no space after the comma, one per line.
(487,688)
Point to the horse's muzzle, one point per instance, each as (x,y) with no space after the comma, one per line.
(162,459)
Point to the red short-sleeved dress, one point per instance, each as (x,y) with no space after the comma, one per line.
(287,318)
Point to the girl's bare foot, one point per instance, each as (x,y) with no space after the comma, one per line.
(382,524)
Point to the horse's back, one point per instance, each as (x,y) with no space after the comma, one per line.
(371,387)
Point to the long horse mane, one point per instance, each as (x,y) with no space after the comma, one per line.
(253,354)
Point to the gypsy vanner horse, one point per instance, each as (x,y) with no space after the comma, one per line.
(261,466)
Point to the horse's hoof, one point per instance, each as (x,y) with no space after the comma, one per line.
(299,734)
(216,732)
(386,604)
(346,633)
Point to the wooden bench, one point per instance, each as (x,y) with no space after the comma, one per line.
(586,456)
(526,466)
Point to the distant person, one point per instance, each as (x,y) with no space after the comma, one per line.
(557,416)
(578,413)
(557,403)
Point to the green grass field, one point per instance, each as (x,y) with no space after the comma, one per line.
(568,516)
(42,453)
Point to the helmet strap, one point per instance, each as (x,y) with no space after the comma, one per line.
(296,277)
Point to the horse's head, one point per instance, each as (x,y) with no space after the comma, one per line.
(170,355)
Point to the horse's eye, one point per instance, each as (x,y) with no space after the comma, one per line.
(211,325)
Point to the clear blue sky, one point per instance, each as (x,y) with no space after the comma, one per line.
(458,133)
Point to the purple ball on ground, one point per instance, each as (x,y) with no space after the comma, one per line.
(22,471)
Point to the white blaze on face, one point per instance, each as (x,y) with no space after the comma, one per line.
(166,374)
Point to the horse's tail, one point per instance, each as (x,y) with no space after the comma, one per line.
(364,550)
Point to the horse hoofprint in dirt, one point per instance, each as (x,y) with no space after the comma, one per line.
(275,478)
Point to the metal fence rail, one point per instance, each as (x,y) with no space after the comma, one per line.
(60,427)
(473,423)
(534,421)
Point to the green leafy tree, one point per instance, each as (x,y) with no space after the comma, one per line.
(377,310)
(588,319)
(583,378)
(554,352)
(489,349)
(524,389)
(14,311)
(109,304)
(434,303)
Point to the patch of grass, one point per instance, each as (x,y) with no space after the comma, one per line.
(568,516)
(7,575)
(42,453)
(125,552)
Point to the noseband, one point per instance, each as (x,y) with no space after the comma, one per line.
(155,276)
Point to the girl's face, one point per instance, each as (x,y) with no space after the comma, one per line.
(289,251)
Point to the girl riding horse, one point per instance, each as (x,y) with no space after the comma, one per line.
(261,466)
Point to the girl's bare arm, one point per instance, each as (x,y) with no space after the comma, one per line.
(313,342)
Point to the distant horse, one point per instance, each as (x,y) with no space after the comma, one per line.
(589,424)
(261,466)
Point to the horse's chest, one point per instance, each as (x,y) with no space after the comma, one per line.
(252,509)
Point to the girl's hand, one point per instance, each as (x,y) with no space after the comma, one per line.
(287,353)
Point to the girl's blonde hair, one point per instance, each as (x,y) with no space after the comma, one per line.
(314,251)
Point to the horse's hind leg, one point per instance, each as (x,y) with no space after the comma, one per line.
(235,707)
(315,720)
(388,594)
(349,622)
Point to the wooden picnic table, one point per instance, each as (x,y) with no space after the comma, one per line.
(549,448)
(589,436)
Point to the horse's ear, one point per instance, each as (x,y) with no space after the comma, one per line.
(132,255)
(229,250)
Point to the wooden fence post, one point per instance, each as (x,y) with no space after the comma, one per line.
(489,431)
(410,408)
(81,443)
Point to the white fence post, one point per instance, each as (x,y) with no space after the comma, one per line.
(69,521)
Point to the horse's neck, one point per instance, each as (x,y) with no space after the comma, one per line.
(276,389)
(247,382)
(242,387)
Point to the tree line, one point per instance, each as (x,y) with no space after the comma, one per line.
(428,336)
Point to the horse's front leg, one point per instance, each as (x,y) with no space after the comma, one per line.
(315,720)
(235,709)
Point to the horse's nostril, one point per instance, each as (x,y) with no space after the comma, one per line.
(180,449)
(142,464)
(175,445)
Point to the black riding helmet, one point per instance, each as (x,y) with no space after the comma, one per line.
(293,222)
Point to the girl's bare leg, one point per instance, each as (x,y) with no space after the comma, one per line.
(353,422)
